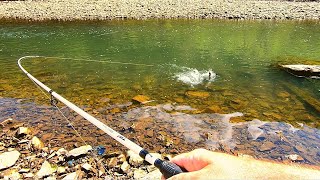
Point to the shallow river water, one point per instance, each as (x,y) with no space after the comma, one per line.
(223,77)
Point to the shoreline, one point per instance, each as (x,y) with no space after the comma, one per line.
(61,10)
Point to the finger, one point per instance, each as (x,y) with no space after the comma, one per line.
(192,161)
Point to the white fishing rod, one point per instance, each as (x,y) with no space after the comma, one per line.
(167,168)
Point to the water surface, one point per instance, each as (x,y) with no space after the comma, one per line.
(242,54)
(204,79)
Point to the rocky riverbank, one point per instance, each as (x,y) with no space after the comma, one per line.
(24,156)
(67,10)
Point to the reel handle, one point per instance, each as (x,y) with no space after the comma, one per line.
(168,169)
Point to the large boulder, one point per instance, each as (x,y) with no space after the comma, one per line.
(312,71)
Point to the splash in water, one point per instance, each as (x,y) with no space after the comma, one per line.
(193,76)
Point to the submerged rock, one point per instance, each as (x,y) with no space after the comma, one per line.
(8,159)
(267,146)
(197,94)
(312,71)
(141,99)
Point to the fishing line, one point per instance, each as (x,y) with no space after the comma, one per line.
(54,103)
(92,60)
(168,169)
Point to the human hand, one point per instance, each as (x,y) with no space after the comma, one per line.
(204,164)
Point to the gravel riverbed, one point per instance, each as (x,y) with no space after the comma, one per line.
(151,9)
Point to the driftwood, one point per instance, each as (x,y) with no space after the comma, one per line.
(300,70)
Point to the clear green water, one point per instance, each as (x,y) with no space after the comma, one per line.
(243,54)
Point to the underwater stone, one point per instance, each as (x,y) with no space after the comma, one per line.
(214,109)
(267,146)
(197,94)
(141,99)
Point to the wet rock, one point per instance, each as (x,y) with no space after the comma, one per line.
(45,170)
(79,151)
(8,159)
(236,120)
(283,94)
(301,70)
(286,148)
(267,146)
(141,99)
(301,148)
(134,159)
(115,110)
(214,109)
(179,100)
(197,94)
(37,143)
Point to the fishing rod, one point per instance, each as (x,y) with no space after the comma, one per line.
(167,168)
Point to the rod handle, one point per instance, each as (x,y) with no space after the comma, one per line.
(168,169)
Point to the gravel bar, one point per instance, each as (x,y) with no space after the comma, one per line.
(69,10)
